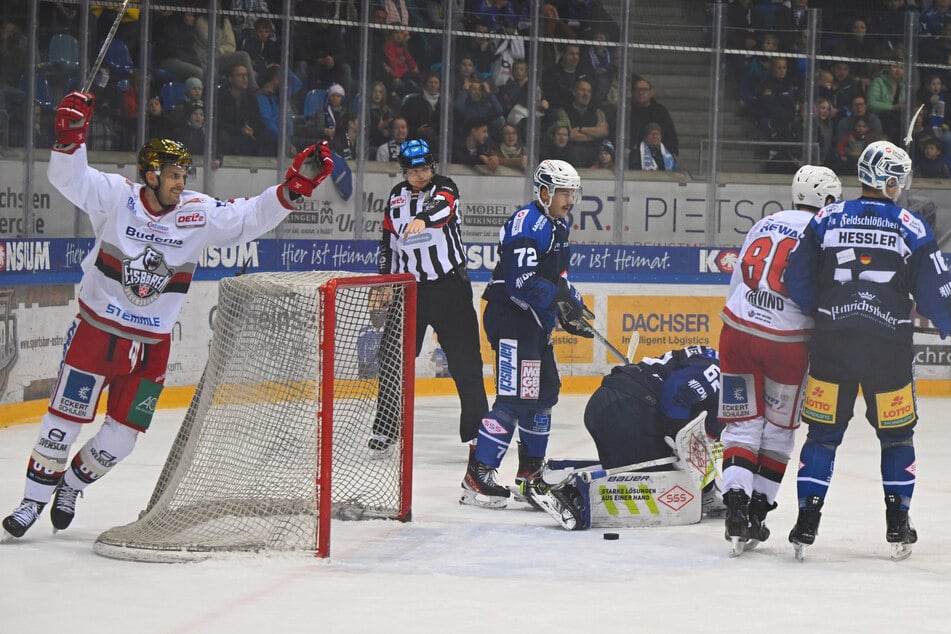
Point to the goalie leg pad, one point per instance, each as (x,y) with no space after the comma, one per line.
(640,499)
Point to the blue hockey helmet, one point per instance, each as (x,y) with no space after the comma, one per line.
(416,153)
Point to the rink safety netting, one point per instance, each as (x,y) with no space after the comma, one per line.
(248,469)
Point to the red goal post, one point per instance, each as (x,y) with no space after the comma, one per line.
(275,442)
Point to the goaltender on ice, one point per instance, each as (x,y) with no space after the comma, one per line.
(149,237)
(652,423)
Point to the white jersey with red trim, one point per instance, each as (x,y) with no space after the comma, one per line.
(758,302)
(140,268)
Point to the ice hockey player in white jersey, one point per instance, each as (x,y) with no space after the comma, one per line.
(763,359)
(149,237)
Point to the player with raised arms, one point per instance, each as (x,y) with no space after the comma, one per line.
(149,238)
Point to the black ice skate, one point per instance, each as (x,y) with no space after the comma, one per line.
(899,532)
(759,507)
(479,487)
(64,506)
(737,521)
(381,445)
(564,504)
(23,517)
(807,526)
(529,474)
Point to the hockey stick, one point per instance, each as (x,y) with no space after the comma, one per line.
(680,445)
(632,345)
(604,340)
(911,127)
(91,76)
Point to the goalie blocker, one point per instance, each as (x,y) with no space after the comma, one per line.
(583,495)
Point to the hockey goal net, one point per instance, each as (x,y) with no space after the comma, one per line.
(275,441)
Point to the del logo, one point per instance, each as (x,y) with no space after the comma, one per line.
(399,201)
(718,260)
(24,255)
(190,219)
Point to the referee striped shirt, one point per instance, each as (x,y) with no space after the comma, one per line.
(435,251)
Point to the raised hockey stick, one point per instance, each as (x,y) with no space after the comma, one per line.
(909,135)
(604,340)
(632,345)
(91,76)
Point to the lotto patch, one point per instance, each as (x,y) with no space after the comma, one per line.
(77,394)
(820,400)
(735,402)
(895,409)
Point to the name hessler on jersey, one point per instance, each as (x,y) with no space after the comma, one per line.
(145,277)
(869,238)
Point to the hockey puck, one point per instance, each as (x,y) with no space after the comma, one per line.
(611,536)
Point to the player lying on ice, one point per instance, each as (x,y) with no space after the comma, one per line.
(651,422)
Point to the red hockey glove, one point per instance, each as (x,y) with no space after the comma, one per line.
(72,120)
(309,170)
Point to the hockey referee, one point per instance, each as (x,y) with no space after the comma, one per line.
(421,236)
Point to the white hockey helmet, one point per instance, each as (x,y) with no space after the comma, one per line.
(881,162)
(812,185)
(553,174)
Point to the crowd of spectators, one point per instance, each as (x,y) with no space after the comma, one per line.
(858,99)
(487,93)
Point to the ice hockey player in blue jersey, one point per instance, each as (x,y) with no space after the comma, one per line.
(857,270)
(633,418)
(528,294)
(639,404)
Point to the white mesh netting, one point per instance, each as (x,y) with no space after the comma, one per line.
(244,472)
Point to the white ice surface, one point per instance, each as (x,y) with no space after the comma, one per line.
(464,569)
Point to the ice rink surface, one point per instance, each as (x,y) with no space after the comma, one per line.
(464,569)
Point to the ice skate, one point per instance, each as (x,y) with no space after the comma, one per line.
(64,506)
(737,521)
(381,446)
(759,532)
(804,532)
(563,505)
(529,472)
(479,487)
(711,501)
(900,532)
(21,519)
